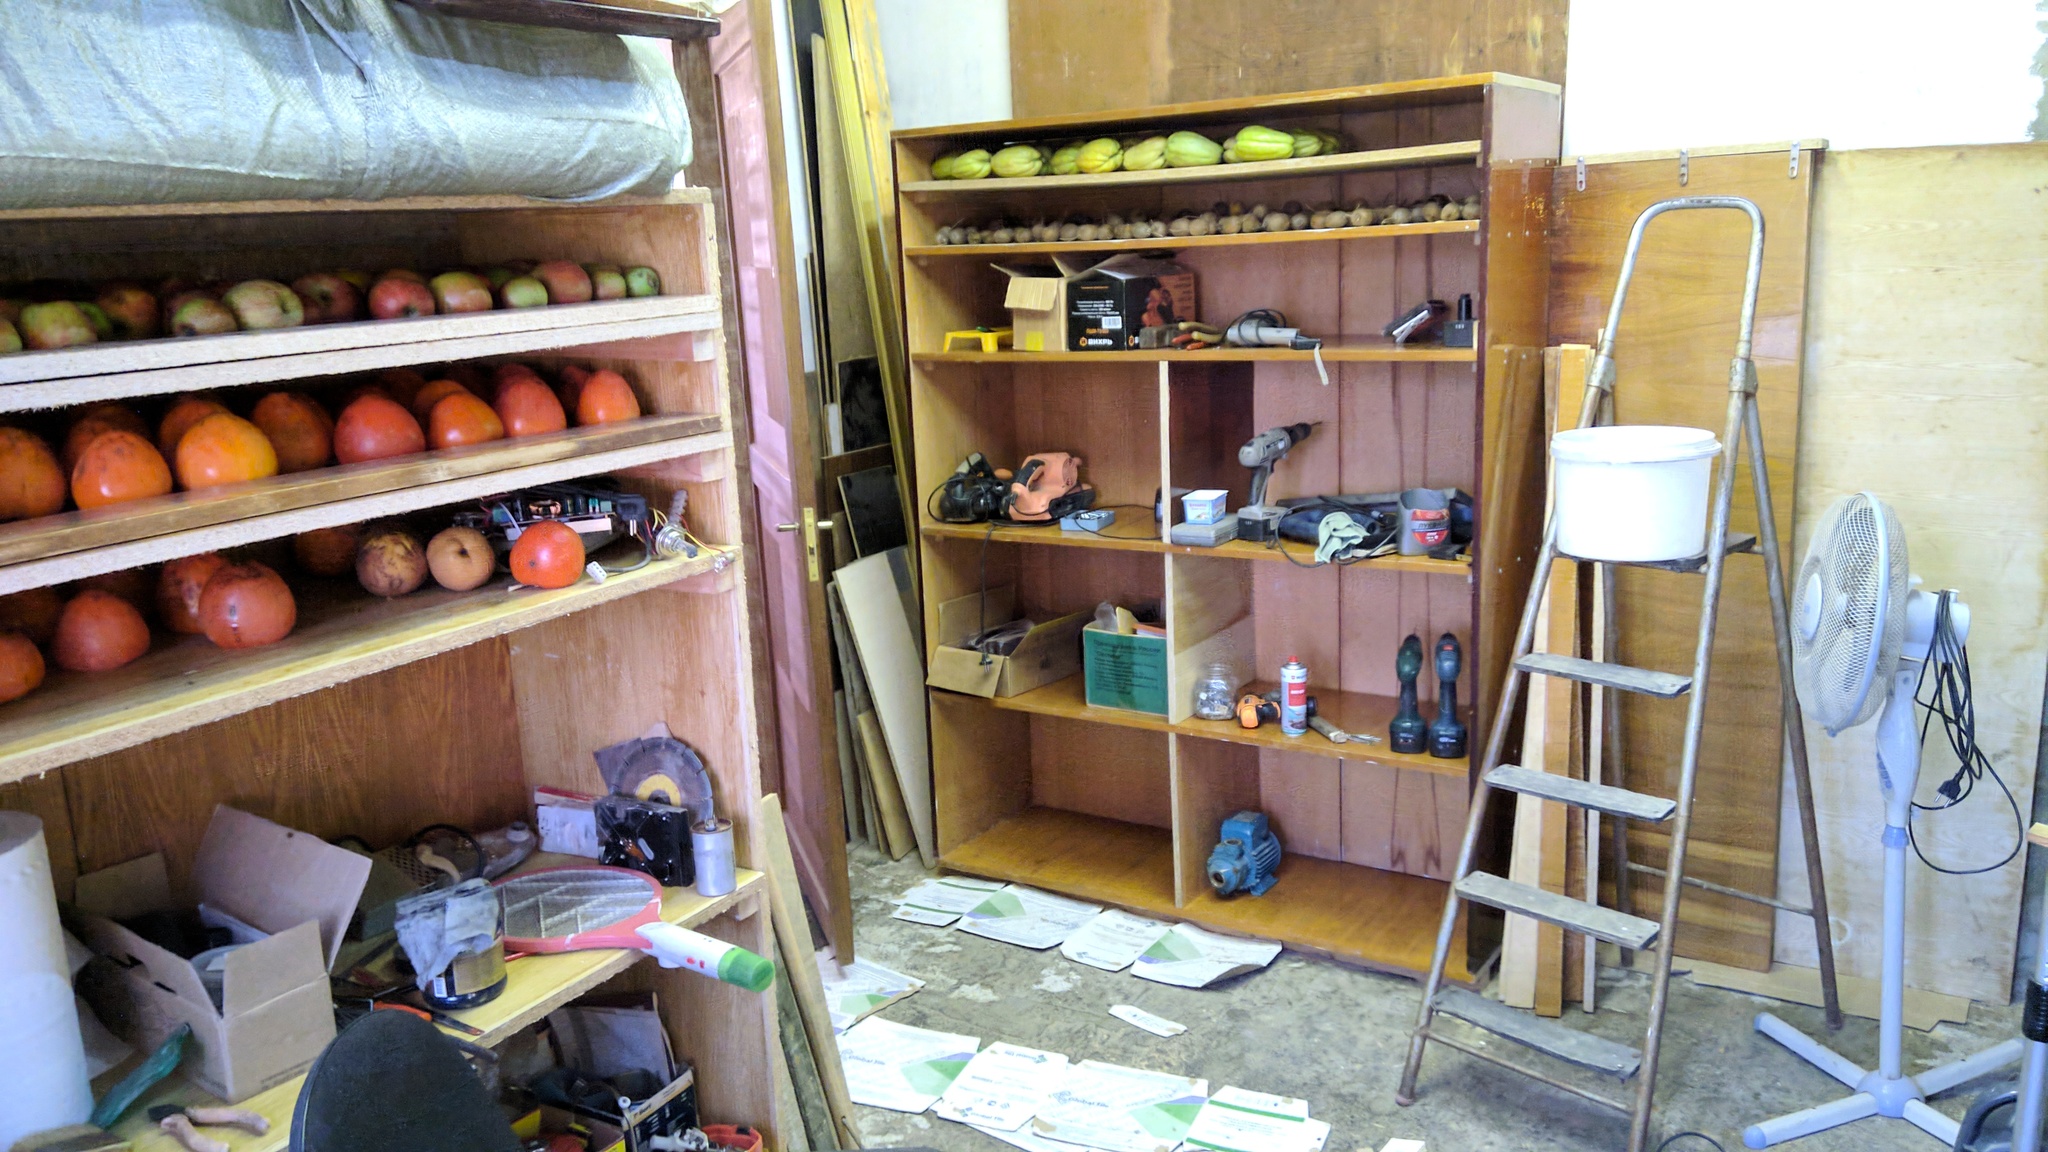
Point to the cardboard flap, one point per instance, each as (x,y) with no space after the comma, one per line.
(255,974)
(1032,293)
(1071,267)
(1052,639)
(962,617)
(130,889)
(277,878)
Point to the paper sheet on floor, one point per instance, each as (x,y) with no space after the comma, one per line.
(862,989)
(1112,940)
(895,1066)
(1235,1120)
(1137,1017)
(1027,917)
(1002,1087)
(940,901)
(1188,957)
(1119,1109)
(1030,1141)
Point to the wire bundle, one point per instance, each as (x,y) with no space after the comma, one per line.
(1952,701)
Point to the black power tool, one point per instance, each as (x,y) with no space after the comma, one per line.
(1409,731)
(1446,734)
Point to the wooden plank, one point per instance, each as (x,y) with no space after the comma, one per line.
(271,525)
(1926,416)
(1672,359)
(536,985)
(849,330)
(68,532)
(1581,1048)
(76,715)
(874,592)
(1185,243)
(786,906)
(1369,160)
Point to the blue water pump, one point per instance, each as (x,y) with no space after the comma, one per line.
(1248,859)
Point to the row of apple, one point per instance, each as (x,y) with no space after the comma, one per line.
(109,454)
(102,623)
(74,314)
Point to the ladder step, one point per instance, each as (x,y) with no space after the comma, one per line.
(1581,794)
(1547,1036)
(1563,911)
(1737,542)
(1643,680)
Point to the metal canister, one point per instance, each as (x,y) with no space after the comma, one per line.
(711,846)
(1293,697)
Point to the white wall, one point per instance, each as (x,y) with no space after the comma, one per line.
(1665,74)
(948,61)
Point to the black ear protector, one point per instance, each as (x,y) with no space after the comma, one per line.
(971,494)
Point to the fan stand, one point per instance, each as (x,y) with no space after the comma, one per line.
(1886,1091)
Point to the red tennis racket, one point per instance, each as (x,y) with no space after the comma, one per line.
(578,907)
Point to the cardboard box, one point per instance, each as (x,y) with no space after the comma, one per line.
(1108,304)
(1124,671)
(1051,651)
(1037,300)
(288,895)
(1204,506)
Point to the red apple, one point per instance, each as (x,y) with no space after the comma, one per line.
(566,281)
(329,299)
(392,297)
(132,308)
(402,274)
(461,292)
(606,281)
(523,292)
(58,324)
(10,308)
(263,304)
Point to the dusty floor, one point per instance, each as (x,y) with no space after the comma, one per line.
(1336,1037)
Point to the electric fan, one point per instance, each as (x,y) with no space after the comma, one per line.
(1861,635)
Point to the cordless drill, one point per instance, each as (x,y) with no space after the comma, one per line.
(1446,734)
(1408,731)
(1259,520)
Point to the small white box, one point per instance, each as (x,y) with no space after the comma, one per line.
(1204,506)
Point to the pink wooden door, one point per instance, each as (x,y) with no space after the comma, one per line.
(783,453)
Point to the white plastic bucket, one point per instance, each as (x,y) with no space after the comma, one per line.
(1633,492)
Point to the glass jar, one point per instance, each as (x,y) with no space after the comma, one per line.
(1216,692)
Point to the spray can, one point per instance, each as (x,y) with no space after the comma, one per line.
(1293,698)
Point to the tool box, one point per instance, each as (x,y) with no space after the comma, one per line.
(1050,651)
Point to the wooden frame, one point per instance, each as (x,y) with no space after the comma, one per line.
(1122,807)
(377,717)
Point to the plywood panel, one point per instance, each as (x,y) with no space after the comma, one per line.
(1932,416)
(1178,50)
(376,757)
(1115,773)
(1672,355)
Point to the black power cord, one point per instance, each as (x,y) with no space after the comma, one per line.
(1677,1136)
(1951,699)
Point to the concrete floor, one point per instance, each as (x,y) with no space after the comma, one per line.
(1336,1037)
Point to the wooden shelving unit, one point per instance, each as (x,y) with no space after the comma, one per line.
(375,718)
(1123,807)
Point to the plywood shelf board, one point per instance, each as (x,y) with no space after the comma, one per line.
(1365,916)
(1184,243)
(1351,711)
(270,525)
(115,371)
(1367,349)
(1338,163)
(69,532)
(535,986)
(1464,88)
(1231,550)
(189,683)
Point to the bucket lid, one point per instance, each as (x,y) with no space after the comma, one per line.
(1633,444)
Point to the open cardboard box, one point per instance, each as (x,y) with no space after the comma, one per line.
(288,894)
(1051,651)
